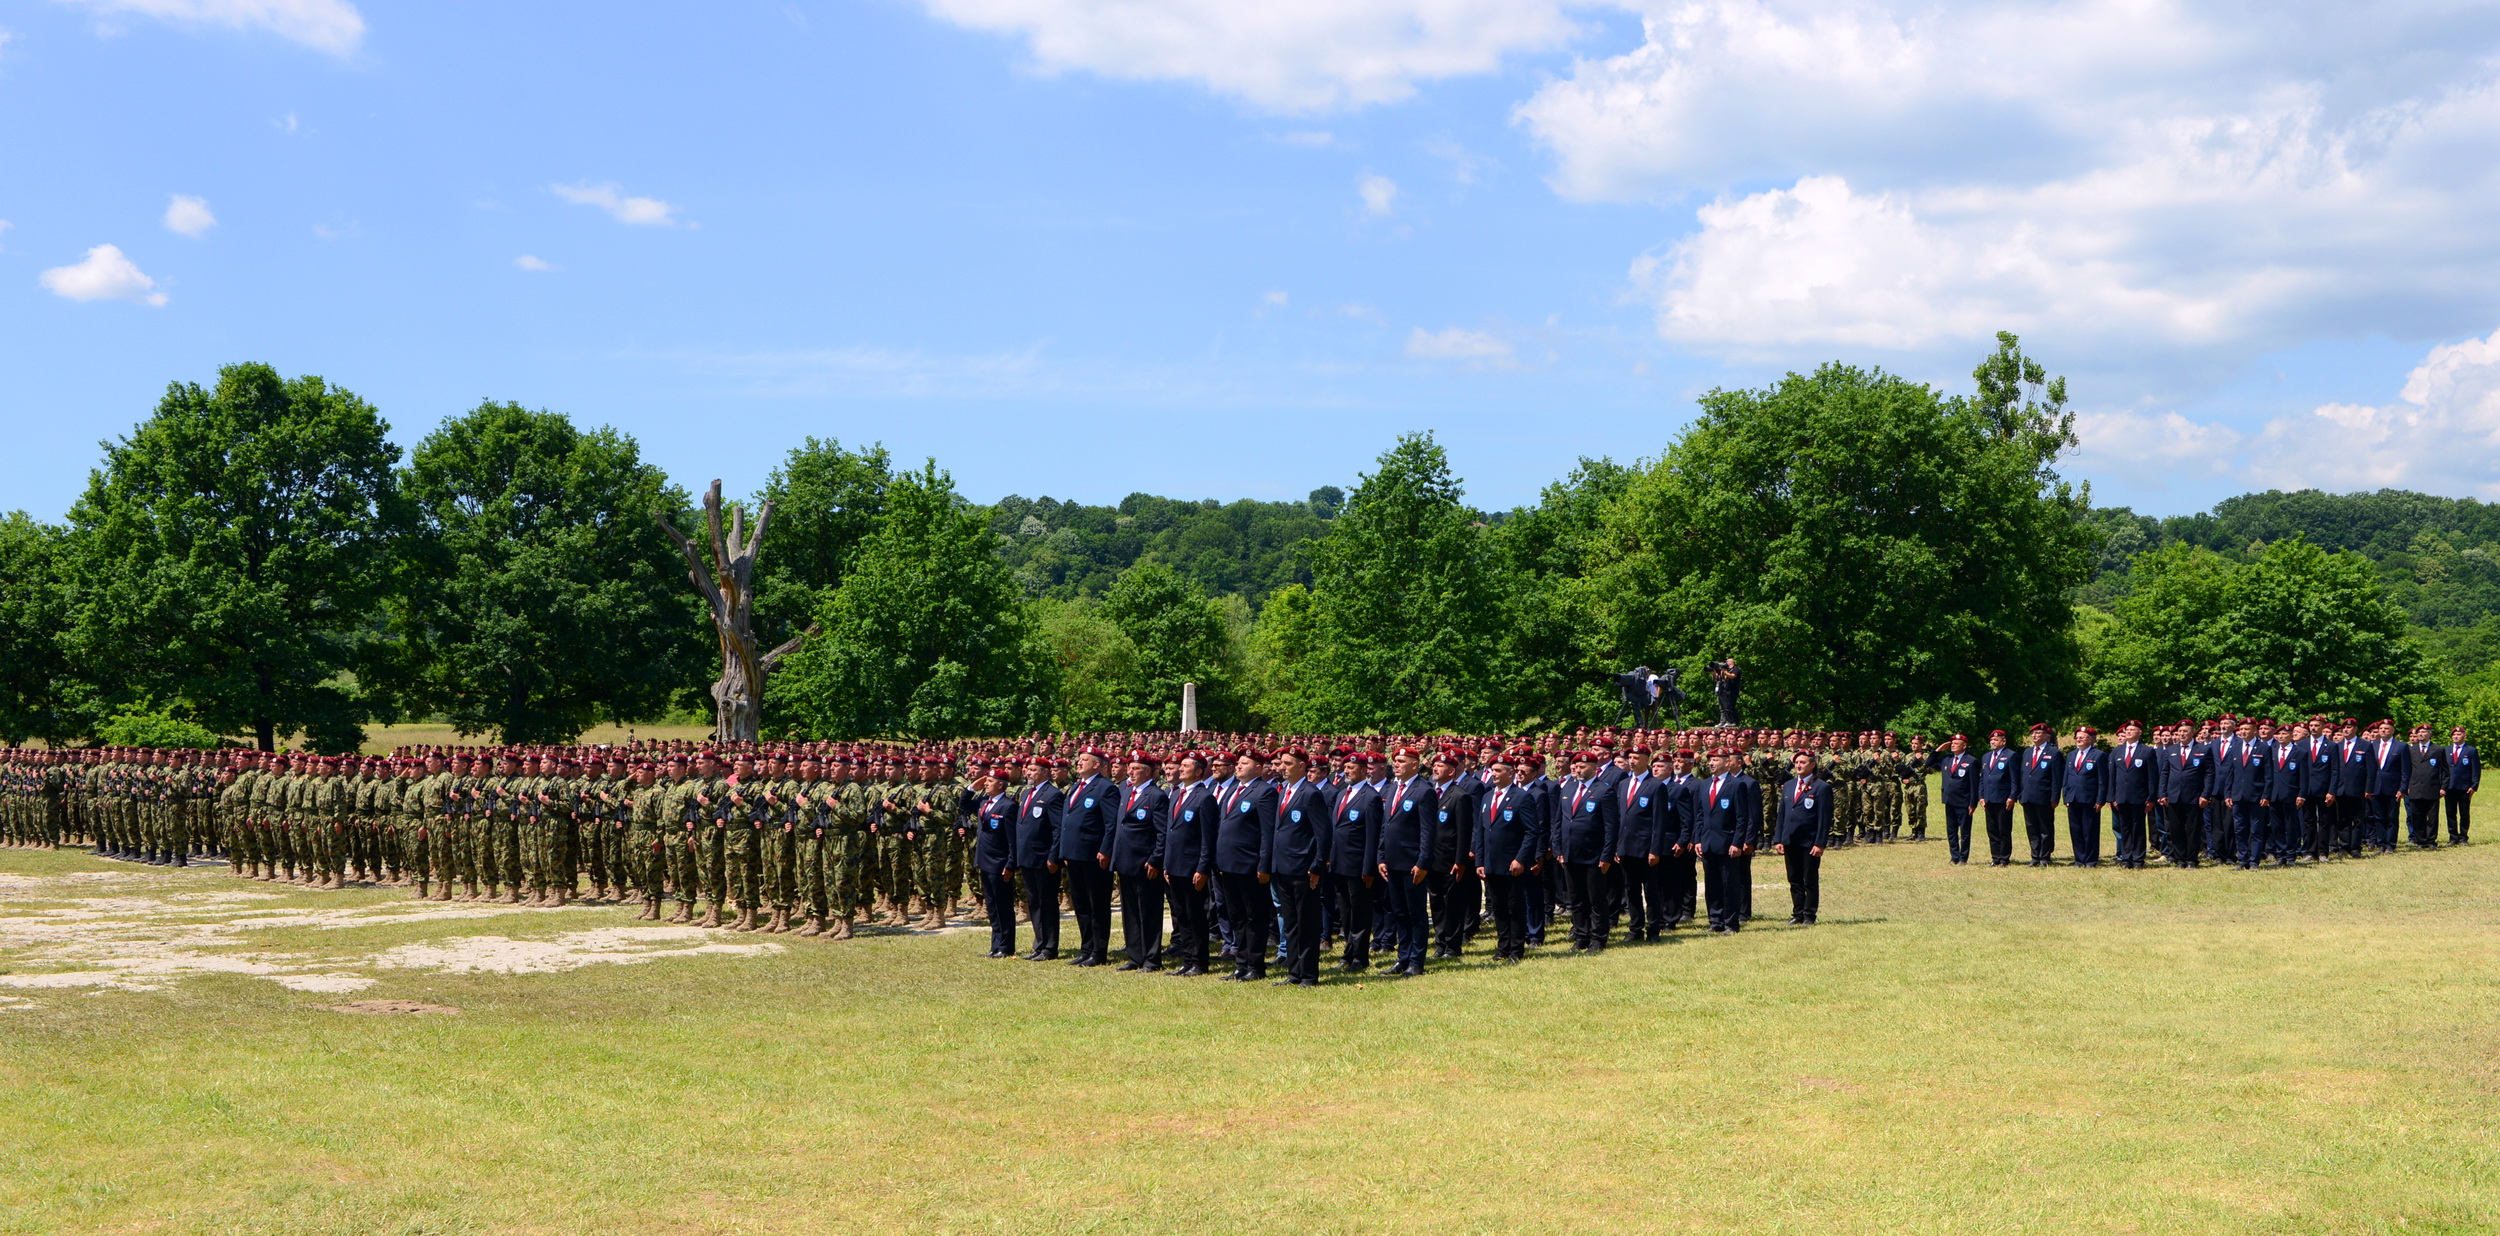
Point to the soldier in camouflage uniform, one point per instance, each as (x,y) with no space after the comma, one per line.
(645,859)
(1914,787)
(682,819)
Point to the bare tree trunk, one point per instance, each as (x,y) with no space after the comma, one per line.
(727,583)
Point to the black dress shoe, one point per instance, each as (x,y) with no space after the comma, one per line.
(1285,982)
(1308,982)
(1050,954)
(1151,967)
(1127,966)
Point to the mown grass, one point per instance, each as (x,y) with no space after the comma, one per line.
(1952,1050)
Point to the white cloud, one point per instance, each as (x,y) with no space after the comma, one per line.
(1459,344)
(2162,184)
(1280,55)
(332,26)
(1275,300)
(529,262)
(1315,139)
(645,211)
(104,275)
(5,225)
(189,215)
(2441,434)
(1380,194)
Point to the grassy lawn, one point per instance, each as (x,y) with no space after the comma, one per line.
(1952,1050)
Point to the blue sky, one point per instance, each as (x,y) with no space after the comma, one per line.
(1088,247)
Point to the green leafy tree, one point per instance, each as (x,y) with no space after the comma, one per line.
(2295,631)
(1097,665)
(1550,673)
(36,686)
(1180,637)
(1406,617)
(536,600)
(927,636)
(1283,633)
(232,554)
(142,724)
(1867,548)
(826,500)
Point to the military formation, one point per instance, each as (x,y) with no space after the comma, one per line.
(1260,849)
(809,839)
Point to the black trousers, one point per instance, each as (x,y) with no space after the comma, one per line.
(2317,823)
(1300,905)
(2187,830)
(1721,872)
(1506,895)
(2083,833)
(1805,884)
(1455,901)
(2422,821)
(1957,833)
(2040,829)
(2284,840)
(1683,886)
(1141,918)
(1404,906)
(998,896)
(1587,887)
(1247,908)
(2379,813)
(1089,896)
(2218,831)
(1189,923)
(1354,918)
(1646,900)
(2250,823)
(2000,833)
(2460,815)
(1041,903)
(2348,810)
(2126,822)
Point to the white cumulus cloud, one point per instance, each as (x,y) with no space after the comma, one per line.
(2149,183)
(189,215)
(332,26)
(1459,344)
(534,263)
(1379,193)
(1280,55)
(643,211)
(105,275)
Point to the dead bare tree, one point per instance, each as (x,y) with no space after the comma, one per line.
(728,583)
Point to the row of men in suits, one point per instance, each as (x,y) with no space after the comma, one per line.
(2240,790)
(1389,850)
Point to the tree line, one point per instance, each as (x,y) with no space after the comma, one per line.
(257,560)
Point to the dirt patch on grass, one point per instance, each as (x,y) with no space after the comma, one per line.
(622,946)
(388,1008)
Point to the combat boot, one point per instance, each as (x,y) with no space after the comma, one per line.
(421,892)
(815,926)
(711,914)
(746,919)
(650,908)
(515,896)
(684,914)
(842,928)
(780,923)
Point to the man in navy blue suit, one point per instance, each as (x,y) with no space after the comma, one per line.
(2465,775)
(1189,862)
(1999,783)
(1353,855)
(1088,812)
(1402,858)
(1299,865)
(2086,777)
(1507,844)
(1728,822)
(1245,838)
(1958,770)
(1799,833)
(1137,839)
(2041,783)
(1037,855)
(2134,773)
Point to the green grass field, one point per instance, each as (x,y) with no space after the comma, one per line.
(1952,1050)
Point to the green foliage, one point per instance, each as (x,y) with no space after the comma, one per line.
(36,684)
(1551,673)
(1406,615)
(231,556)
(1181,637)
(1863,545)
(142,724)
(923,602)
(1097,665)
(2297,630)
(536,597)
(1064,550)
(1285,632)
(826,500)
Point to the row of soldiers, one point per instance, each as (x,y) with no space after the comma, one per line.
(811,840)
